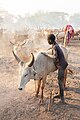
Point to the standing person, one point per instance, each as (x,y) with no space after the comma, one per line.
(69,32)
(60,63)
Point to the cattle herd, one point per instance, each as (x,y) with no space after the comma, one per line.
(37,46)
(27,70)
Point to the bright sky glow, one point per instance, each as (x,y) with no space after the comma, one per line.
(31,6)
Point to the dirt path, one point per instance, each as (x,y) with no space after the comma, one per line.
(23,105)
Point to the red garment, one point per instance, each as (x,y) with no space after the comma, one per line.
(71,32)
(70,29)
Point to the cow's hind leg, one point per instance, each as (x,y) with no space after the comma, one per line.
(38,88)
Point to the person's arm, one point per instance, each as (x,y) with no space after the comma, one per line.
(55,51)
(49,52)
(56,58)
(50,48)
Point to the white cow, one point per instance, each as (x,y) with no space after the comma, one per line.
(62,36)
(38,70)
(23,50)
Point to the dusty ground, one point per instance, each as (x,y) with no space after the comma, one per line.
(22,105)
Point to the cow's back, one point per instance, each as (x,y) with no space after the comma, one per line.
(44,64)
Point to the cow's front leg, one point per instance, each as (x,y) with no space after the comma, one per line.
(38,88)
(42,88)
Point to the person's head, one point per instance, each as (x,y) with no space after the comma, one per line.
(51,39)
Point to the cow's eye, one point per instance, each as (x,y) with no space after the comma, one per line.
(34,74)
(25,75)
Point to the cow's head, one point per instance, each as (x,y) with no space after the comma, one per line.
(26,71)
(25,77)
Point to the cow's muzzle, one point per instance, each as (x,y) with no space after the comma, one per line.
(20,88)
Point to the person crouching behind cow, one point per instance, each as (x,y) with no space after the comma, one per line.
(60,63)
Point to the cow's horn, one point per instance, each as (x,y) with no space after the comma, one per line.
(11,42)
(23,43)
(16,57)
(32,61)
